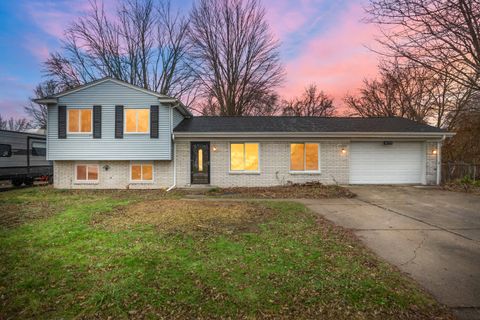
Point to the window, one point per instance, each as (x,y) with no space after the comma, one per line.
(244,157)
(141,172)
(5,150)
(304,157)
(137,120)
(39,149)
(200,160)
(79,120)
(86,173)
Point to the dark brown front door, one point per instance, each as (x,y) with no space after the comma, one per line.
(200,162)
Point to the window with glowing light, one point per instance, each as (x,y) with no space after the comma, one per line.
(137,120)
(244,157)
(304,157)
(86,172)
(141,172)
(79,120)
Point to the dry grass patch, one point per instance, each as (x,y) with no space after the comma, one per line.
(186,216)
(311,190)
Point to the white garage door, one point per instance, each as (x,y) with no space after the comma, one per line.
(376,163)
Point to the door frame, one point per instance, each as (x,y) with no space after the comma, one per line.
(207,143)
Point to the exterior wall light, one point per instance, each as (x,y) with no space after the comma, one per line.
(434,151)
(214,148)
(344,151)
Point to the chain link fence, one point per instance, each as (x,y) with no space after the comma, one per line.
(452,171)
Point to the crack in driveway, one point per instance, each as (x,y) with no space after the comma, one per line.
(425,236)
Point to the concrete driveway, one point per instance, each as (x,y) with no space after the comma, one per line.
(430,234)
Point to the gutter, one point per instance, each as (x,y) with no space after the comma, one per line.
(46,101)
(435,135)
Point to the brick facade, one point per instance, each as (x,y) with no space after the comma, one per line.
(112,175)
(274,168)
(431,164)
(274,165)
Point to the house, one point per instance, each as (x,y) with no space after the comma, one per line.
(111,134)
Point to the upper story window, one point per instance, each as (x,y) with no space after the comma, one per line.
(304,157)
(244,157)
(5,150)
(137,120)
(79,120)
(39,149)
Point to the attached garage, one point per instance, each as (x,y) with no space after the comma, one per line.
(382,162)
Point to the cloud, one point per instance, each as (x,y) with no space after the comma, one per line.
(39,48)
(337,60)
(53,17)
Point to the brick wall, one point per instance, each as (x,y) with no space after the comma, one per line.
(431,164)
(116,177)
(274,165)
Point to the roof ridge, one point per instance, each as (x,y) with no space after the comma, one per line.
(303,117)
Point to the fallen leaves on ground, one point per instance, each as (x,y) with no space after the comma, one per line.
(186,216)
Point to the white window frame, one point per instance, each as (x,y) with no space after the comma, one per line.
(230,171)
(136,120)
(80,121)
(304,158)
(141,163)
(87,181)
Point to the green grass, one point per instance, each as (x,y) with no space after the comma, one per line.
(295,266)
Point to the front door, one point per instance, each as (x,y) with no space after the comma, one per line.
(200,162)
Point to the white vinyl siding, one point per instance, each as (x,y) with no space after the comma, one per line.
(376,163)
(131,147)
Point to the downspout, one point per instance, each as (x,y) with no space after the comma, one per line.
(174,153)
(439,160)
(174,168)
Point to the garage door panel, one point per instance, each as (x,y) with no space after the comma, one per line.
(376,163)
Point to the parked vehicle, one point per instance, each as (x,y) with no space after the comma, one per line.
(23,157)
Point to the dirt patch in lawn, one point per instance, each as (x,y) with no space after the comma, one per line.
(313,190)
(15,214)
(186,216)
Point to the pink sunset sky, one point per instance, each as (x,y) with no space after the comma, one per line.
(322,42)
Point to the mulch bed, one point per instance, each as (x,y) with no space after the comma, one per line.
(311,190)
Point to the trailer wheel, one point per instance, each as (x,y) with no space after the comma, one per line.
(28,181)
(17,182)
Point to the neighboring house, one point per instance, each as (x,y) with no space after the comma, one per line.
(110,134)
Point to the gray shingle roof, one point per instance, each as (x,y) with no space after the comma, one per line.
(302,124)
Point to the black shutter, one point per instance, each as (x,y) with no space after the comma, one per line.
(153,121)
(119,122)
(62,122)
(97,122)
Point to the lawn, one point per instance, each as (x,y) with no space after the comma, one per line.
(146,254)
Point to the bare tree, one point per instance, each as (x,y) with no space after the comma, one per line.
(38,112)
(465,146)
(312,102)
(233,55)
(143,44)
(410,91)
(14,124)
(440,35)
